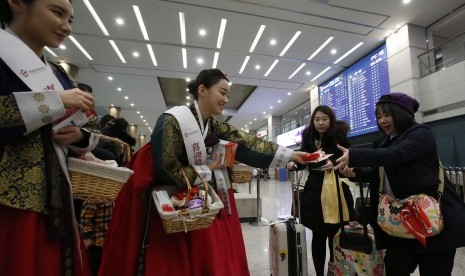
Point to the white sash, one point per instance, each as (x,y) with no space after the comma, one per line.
(38,76)
(34,73)
(194,141)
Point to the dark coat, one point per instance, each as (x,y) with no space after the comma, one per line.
(411,164)
(310,200)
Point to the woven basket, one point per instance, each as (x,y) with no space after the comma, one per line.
(96,182)
(190,219)
(242,176)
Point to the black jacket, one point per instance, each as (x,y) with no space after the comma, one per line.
(310,200)
(411,164)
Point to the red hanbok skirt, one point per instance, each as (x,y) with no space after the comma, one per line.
(215,251)
(25,248)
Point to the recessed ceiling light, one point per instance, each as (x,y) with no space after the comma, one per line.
(250,123)
(187,89)
(254,119)
(132,104)
(199,60)
(202,32)
(80,47)
(188,97)
(135,54)
(257,67)
(141,116)
(289,44)
(112,105)
(187,103)
(271,107)
(141,22)
(406,1)
(144,120)
(215,59)
(349,52)
(279,101)
(119,21)
(138,112)
(146,123)
(184,58)
(182,26)
(242,128)
(244,64)
(126,97)
(264,112)
(110,78)
(50,51)
(257,38)
(119,89)
(320,48)
(221,33)
(230,83)
(113,44)
(289,93)
(273,42)
(333,51)
(63,47)
(308,73)
(188,80)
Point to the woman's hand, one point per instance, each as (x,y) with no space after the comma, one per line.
(299,157)
(216,162)
(347,172)
(75,98)
(342,161)
(68,135)
(291,166)
(328,166)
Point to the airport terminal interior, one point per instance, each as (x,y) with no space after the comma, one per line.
(282,59)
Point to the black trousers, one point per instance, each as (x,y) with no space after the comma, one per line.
(401,260)
(94,253)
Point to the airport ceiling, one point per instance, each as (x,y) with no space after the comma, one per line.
(267,78)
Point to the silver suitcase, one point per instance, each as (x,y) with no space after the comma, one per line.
(288,245)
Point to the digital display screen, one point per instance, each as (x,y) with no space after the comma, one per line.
(353,93)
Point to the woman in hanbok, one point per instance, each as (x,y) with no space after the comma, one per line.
(38,231)
(180,140)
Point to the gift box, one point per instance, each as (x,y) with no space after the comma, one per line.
(228,150)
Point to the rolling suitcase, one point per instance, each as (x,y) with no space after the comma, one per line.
(288,244)
(354,246)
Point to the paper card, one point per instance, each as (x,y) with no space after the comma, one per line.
(78,119)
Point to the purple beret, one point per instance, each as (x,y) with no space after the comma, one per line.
(406,102)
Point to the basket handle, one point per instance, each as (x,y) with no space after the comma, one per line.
(186,180)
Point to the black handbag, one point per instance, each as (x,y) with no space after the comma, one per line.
(354,241)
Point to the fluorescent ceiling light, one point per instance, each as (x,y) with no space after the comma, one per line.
(215,59)
(80,47)
(257,38)
(141,22)
(182,25)
(289,44)
(271,67)
(113,44)
(349,52)
(184,58)
(244,64)
(320,48)
(152,55)
(221,34)
(322,72)
(96,17)
(50,51)
(297,70)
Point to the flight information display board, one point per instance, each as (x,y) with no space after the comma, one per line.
(353,93)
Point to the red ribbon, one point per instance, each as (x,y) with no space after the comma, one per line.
(416,221)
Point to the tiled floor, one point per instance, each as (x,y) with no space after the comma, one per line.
(276,200)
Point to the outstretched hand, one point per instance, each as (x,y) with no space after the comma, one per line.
(342,161)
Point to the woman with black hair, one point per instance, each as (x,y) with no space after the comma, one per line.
(38,231)
(411,164)
(180,141)
(323,133)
